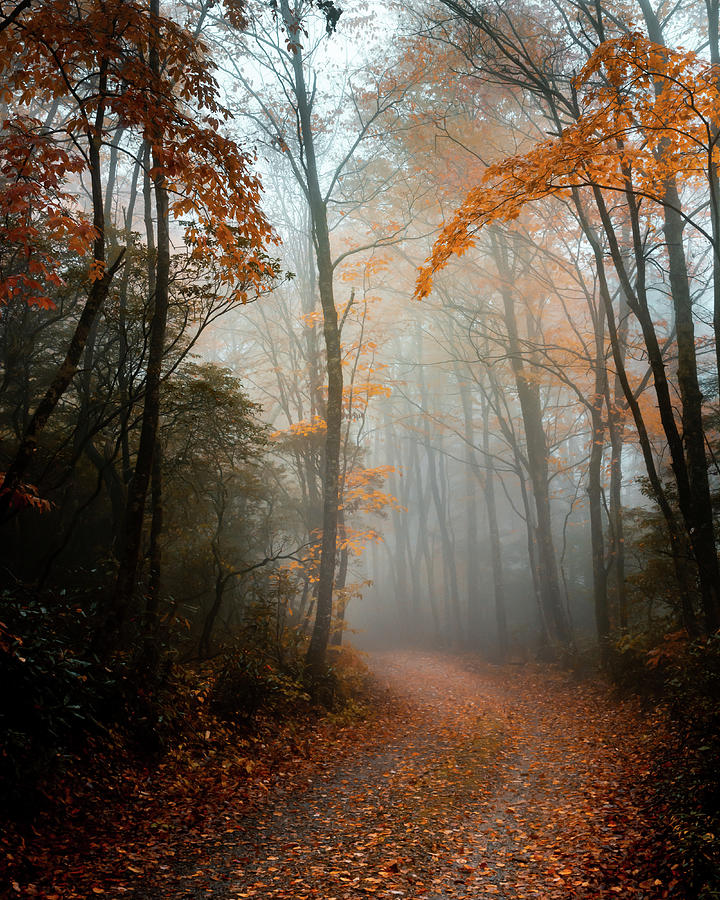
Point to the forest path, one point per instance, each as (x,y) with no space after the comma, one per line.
(481,781)
(466,781)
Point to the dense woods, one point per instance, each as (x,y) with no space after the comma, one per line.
(328,324)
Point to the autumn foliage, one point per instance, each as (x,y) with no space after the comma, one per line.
(231,446)
(647,113)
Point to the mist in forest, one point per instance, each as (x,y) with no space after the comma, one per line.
(441,548)
(331,326)
(341,393)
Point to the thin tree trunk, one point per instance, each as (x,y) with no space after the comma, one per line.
(423,552)
(494,533)
(678,542)
(537,456)
(446,543)
(303,598)
(474,594)
(616,427)
(414,561)
(112,171)
(211,617)
(315,658)
(594,490)
(124,377)
(597,542)
(401,560)
(702,528)
(340,582)
(156,529)
(713,17)
(138,488)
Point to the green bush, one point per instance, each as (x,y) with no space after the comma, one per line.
(50,694)
(683,676)
(633,671)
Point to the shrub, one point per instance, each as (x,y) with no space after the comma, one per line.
(50,693)
(246,681)
(685,677)
(55,695)
(691,787)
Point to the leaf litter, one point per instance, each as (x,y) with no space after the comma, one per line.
(466,781)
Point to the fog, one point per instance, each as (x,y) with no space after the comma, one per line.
(423,383)
(481,422)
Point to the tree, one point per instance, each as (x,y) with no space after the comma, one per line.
(623,143)
(287,50)
(105,66)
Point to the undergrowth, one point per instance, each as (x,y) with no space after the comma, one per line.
(69,719)
(685,785)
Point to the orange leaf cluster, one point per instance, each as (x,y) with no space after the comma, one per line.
(95,59)
(26,495)
(34,169)
(302,429)
(648,113)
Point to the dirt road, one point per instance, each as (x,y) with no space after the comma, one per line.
(480,781)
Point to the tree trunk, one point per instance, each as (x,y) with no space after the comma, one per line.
(474,594)
(495,545)
(211,617)
(679,548)
(699,515)
(616,427)
(401,561)
(315,658)
(597,542)
(423,550)
(713,16)
(594,490)
(446,542)
(537,457)
(138,488)
(342,600)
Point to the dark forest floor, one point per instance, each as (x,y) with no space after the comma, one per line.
(466,781)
